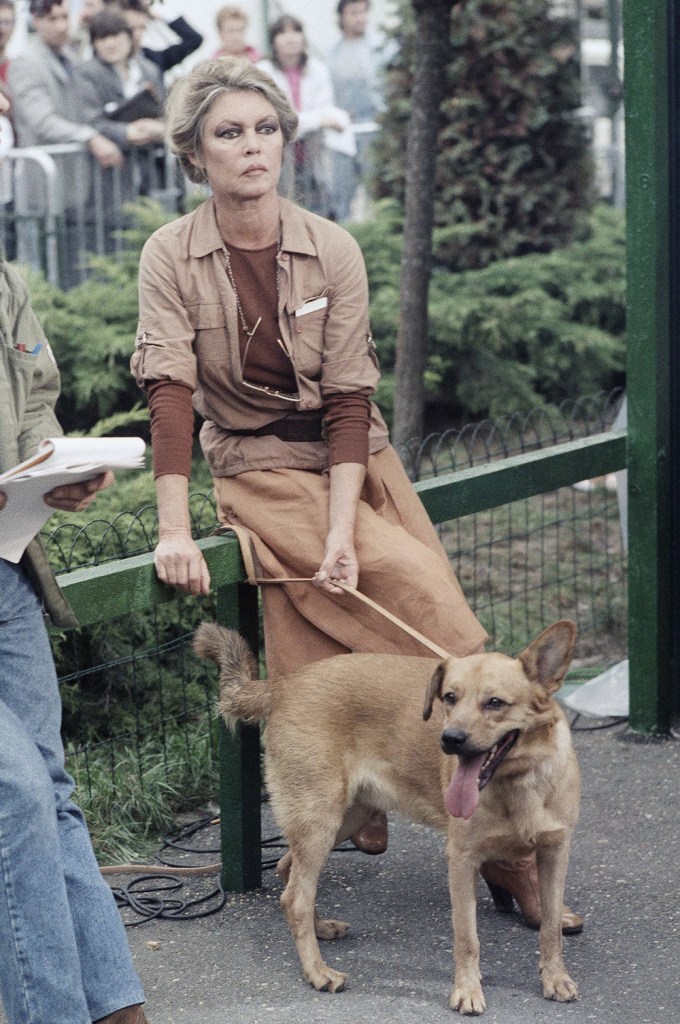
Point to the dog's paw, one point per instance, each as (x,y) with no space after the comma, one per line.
(558,985)
(324,979)
(468,999)
(327,930)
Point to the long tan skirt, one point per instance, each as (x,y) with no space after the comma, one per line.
(402,566)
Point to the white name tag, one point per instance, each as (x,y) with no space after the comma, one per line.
(312,306)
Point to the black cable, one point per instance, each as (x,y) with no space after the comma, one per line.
(143,899)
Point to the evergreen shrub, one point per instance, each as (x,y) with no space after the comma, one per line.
(519,334)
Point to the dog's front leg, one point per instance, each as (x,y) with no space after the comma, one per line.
(467,996)
(552,875)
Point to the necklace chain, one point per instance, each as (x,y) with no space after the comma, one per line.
(230,273)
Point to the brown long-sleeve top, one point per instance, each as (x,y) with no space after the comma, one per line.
(346,417)
(191,344)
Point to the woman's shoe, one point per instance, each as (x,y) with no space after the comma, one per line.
(519,882)
(372,836)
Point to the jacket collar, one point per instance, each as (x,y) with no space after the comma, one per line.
(47,55)
(295,237)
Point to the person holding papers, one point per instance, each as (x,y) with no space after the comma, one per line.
(63,948)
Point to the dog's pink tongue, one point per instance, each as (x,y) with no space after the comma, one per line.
(462,795)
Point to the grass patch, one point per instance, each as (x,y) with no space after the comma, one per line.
(131,792)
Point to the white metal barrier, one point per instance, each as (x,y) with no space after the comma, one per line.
(57,205)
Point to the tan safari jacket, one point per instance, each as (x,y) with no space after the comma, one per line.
(188,332)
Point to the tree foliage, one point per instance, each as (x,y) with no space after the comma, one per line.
(514,168)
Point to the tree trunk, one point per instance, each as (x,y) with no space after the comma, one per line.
(433,49)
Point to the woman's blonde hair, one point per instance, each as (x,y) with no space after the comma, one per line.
(192,97)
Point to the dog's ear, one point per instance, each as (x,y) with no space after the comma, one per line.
(433,689)
(546,660)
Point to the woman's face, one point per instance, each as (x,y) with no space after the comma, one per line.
(113,49)
(289,46)
(242,146)
(233,36)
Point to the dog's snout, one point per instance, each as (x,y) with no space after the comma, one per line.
(453,740)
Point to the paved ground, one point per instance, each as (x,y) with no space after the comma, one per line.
(239,966)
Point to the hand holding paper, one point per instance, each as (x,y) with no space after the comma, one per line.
(79,496)
(58,465)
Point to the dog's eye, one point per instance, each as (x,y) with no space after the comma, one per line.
(495,704)
(449,698)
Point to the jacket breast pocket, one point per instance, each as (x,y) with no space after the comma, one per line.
(308,334)
(209,324)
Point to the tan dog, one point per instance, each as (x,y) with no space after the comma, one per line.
(348,735)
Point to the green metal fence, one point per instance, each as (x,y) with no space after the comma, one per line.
(127,591)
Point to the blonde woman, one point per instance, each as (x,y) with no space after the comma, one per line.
(254,312)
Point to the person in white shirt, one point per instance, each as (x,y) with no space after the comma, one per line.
(356,64)
(306,81)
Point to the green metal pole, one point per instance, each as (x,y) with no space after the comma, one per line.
(647,103)
(240,776)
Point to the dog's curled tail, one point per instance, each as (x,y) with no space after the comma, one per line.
(243,697)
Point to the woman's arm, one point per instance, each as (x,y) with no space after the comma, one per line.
(164,362)
(177,558)
(340,560)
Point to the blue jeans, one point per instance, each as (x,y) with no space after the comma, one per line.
(348,173)
(64,955)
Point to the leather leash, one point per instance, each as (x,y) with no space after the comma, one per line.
(243,537)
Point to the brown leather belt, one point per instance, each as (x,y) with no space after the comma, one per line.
(288,428)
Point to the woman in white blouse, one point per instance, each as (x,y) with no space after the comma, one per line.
(306,82)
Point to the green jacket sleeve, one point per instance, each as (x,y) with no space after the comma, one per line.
(29,388)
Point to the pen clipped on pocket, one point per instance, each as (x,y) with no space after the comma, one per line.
(312,305)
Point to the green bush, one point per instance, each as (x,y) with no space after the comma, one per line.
(92,330)
(519,334)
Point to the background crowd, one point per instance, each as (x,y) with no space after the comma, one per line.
(99,77)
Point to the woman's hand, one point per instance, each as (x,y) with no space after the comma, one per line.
(340,563)
(179,563)
(340,560)
(105,152)
(145,131)
(78,497)
(177,558)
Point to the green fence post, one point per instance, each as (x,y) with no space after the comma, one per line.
(648,211)
(240,777)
